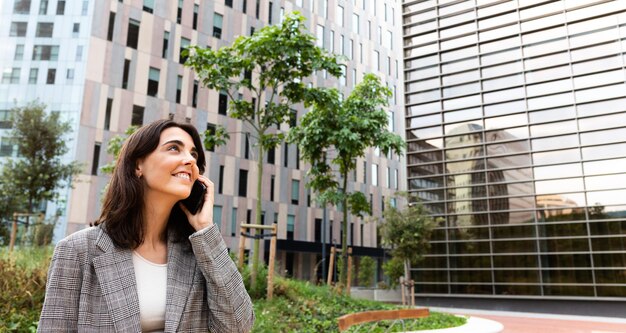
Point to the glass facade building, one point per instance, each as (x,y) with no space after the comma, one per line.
(516,132)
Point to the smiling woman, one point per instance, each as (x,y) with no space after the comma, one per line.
(148,264)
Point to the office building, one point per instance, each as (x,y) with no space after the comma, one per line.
(108,64)
(516,128)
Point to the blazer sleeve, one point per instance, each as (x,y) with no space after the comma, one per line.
(230,307)
(60,307)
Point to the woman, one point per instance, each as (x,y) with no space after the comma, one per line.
(149,264)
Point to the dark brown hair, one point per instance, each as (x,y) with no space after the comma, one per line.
(122,210)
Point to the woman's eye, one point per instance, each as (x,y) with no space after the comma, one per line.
(194,155)
(173,148)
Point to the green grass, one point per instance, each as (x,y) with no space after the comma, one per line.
(299,306)
(22,287)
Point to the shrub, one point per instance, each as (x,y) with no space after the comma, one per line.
(22,287)
(366,271)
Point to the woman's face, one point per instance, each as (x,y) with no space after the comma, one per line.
(170,169)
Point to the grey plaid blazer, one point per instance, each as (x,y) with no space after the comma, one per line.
(91,287)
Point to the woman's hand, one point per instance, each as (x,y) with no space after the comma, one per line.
(203,217)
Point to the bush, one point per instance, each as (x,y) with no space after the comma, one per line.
(22,287)
(394,269)
(366,271)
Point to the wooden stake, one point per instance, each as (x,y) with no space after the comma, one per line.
(331,266)
(270,273)
(349,282)
(13,232)
(242,243)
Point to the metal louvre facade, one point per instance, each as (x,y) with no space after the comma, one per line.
(516,132)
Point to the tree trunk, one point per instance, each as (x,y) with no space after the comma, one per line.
(259,185)
(407,278)
(343,278)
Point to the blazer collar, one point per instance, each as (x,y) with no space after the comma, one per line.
(181,269)
(116,274)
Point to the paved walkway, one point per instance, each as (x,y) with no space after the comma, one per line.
(524,322)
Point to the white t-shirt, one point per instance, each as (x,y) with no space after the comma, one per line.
(152,290)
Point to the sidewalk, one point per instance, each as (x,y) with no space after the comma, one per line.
(525,322)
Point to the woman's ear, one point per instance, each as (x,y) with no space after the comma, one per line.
(138,171)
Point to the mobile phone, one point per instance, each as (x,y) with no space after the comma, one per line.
(195,200)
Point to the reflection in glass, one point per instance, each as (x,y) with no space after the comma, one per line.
(566,260)
(512,217)
(604,167)
(458,234)
(473,289)
(470,276)
(558,171)
(517,276)
(557,156)
(469,247)
(569,290)
(429,157)
(516,231)
(562,230)
(515,261)
(469,262)
(514,246)
(567,276)
(518,290)
(607,151)
(434,262)
(564,245)
(466,192)
(609,259)
(608,227)
(608,244)
(508,148)
(425,183)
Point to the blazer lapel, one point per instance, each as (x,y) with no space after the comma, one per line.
(181,267)
(116,274)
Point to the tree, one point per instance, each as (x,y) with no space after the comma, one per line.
(367,268)
(407,231)
(38,171)
(280,57)
(348,127)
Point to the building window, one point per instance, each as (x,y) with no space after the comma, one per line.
(339,16)
(44,29)
(137,116)
(243,183)
(32,75)
(21,7)
(75,29)
(395,179)
(246,145)
(8,147)
(257,9)
(365,172)
(210,131)
(96,159)
(290,226)
(132,38)
(179,88)
(84,8)
(331,45)
(295,191)
(61,7)
(194,94)
(233,222)
(376,60)
(244,6)
(18,29)
(272,187)
(148,6)
(320,35)
(111,26)
(269,14)
(166,40)
(286,155)
(217,25)
(45,52)
(52,73)
(220,181)
(43,7)
(184,43)
(107,114)
(217,216)
(271,155)
(355,23)
(5,119)
(222,105)
(125,74)
(179,12)
(79,53)
(11,75)
(194,22)
(153,81)
(229,3)
(374,174)
(19,52)
(70,75)
(324,9)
